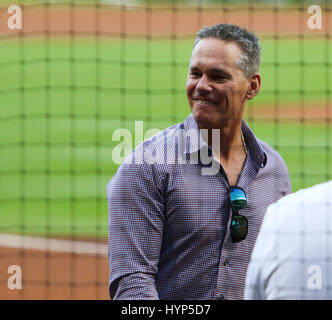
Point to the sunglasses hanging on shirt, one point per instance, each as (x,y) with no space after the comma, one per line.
(239,225)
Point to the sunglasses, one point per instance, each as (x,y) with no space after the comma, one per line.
(239,226)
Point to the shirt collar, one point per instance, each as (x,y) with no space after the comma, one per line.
(197,142)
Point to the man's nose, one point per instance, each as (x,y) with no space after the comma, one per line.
(203,84)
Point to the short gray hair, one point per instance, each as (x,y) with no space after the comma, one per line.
(250,59)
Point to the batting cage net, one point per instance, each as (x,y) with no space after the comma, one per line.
(83,82)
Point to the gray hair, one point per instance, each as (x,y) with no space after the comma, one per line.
(249,61)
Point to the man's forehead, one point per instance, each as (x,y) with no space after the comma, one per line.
(211,49)
(213,68)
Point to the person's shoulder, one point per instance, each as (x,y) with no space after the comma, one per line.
(269,150)
(274,158)
(152,151)
(157,143)
(317,194)
(310,200)
(162,136)
(166,136)
(320,191)
(147,161)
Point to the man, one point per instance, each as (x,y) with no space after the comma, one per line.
(174,231)
(292,258)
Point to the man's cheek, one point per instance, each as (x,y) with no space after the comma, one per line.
(190,94)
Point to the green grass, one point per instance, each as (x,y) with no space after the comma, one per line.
(56,159)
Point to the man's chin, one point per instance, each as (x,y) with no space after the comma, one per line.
(206,120)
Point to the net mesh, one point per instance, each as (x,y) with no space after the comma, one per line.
(78,71)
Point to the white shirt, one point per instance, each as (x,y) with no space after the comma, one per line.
(292,257)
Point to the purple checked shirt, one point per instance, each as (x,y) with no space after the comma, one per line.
(169,218)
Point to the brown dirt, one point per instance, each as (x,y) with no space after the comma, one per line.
(83,21)
(49,275)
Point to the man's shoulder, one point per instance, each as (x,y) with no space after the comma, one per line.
(159,138)
(273,156)
(150,158)
(155,149)
(162,138)
(268,149)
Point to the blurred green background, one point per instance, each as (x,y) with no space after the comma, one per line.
(62,99)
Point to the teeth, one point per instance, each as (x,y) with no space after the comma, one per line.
(207,102)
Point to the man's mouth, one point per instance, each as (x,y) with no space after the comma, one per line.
(205,101)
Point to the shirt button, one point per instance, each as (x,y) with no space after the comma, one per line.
(226,261)
(221,297)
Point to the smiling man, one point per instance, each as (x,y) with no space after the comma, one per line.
(217,90)
(178,230)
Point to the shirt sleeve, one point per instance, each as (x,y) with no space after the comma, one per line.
(136,222)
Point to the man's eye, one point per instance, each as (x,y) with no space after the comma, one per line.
(195,74)
(218,78)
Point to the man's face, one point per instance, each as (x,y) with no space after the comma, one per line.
(216,87)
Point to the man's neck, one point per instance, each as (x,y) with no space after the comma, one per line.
(226,141)
(229,149)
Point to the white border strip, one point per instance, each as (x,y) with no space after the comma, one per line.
(51,244)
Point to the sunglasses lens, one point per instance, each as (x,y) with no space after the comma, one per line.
(238,198)
(239,228)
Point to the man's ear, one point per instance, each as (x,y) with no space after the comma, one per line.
(254,86)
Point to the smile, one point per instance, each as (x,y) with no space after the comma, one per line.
(205,102)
